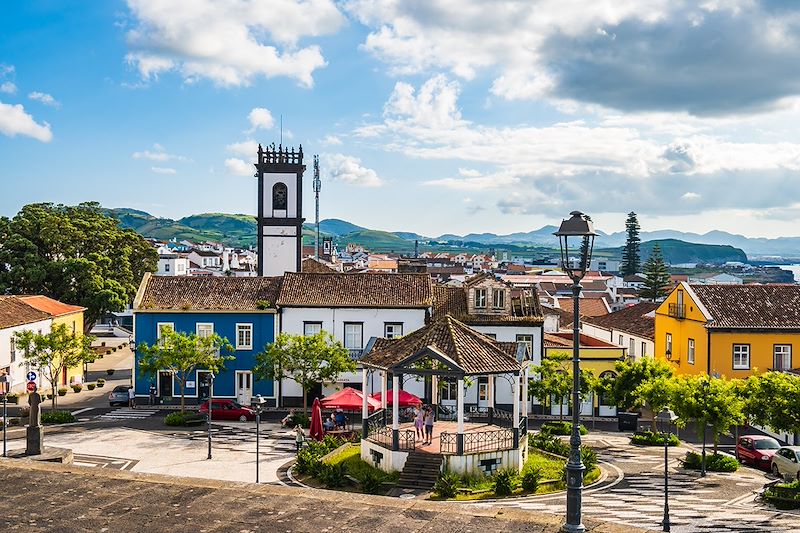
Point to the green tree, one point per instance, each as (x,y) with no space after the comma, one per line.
(631,375)
(630,253)
(75,254)
(656,284)
(182,354)
(307,359)
(656,393)
(554,380)
(772,399)
(54,352)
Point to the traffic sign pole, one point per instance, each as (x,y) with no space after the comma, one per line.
(31,386)
(5,422)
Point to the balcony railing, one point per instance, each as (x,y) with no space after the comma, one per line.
(355,353)
(677,310)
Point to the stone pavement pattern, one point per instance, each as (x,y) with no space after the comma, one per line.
(72,499)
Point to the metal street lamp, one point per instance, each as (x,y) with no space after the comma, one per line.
(259,403)
(666,418)
(210,380)
(705,384)
(575,236)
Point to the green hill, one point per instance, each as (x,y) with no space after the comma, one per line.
(376,241)
(676,252)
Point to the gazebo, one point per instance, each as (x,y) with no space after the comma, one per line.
(448,350)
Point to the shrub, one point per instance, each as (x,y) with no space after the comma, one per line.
(531,477)
(62,391)
(12,397)
(588,457)
(57,417)
(76,387)
(549,443)
(504,481)
(648,438)
(562,428)
(110,371)
(177,419)
(447,485)
(333,476)
(90,386)
(372,482)
(101,382)
(49,395)
(715,462)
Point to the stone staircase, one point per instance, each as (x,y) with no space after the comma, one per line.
(420,471)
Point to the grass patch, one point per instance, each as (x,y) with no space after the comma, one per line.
(342,453)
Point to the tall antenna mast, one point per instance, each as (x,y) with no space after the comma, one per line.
(281,129)
(317,187)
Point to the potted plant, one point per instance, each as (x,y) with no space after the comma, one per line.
(101,382)
(90,386)
(62,391)
(110,371)
(49,395)
(77,387)
(12,397)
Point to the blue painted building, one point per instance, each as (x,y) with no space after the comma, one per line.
(239,309)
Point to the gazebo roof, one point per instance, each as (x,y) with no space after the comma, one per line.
(456,349)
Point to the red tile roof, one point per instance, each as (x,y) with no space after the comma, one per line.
(751,306)
(207,293)
(50,306)
(375,289)
(15,312)
(630,320)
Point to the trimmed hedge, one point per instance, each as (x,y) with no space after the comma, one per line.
(62,391)
(715,462)
(562,428)
(77,387)
(183,419)
(648,438)
(101,382)
(90,386)
(57,417)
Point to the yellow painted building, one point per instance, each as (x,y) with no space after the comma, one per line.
(729,330)
(61,313)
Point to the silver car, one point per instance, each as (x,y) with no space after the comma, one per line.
(118,396)
(786,462)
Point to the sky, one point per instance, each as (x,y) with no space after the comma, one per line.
(432,116)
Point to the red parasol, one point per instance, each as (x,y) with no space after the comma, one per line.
(405,399)
(349,399)
(317,432)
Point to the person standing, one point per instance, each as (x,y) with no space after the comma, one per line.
(428,426)
(131,398)
(299,437)
(419,421)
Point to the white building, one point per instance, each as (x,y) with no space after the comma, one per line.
(172,265)
(715,279)
(16,316)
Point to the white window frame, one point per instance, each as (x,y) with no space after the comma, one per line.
(480,303)
(449,391)
(740,351)
(245,326)
(775,352)
(498,294)
(668,342)
(160,326)
(521,337)
(361,336)
(198,326)
(644,349)
(313,325)
(690,352)
(631,347)
(13,349)
(393,326)
(166,267)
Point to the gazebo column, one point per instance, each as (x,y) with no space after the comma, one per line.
(384,379)
(364,408)
(516,402)
(490,403)
(395,412)
(434,390)
(460,409)
(525,399)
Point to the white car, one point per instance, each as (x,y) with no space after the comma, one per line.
(786,462)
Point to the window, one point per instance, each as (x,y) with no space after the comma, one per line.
(279,196)
(180,267)
(690,352)
(741,356)
(528,340)
(782,357)
(621,341)
(244,336)
(669,343)
(491,335)
(480,298)
(499,299)
(204,330)
(311,328)
(483,392)
(450,390)
(73,327)
(393,330)
(13,349)
(353,335)
(161,326)
(631,347)
(166,267)
(644,349)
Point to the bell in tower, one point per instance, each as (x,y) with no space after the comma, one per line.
(280,209)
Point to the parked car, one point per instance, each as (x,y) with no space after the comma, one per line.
(118,396)
(756,450)
(786,462)
(228,410)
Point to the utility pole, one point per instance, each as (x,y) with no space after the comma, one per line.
(317,187)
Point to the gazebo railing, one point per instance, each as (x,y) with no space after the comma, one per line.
(477,441)
(493,416)
(383,436)
(375,422)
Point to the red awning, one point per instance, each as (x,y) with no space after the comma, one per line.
(405,399)
(349,399)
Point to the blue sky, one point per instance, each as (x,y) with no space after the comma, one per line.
(434,116)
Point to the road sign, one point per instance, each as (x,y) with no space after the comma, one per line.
(31,376)
(31,386)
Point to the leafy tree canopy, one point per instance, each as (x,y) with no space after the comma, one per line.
(555,380)
(625,390)
(773,399)
(75,254)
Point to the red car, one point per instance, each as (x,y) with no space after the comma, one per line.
(228,410)
(756,450)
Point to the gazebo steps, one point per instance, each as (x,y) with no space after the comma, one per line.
(420,471)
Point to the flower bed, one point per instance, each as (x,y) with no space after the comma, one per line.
(783,495)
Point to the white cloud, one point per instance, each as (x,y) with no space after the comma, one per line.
(237,167)
(15,121)
(350,170)
(230,42)
(8,87)
(44,98)
(468,172)
(331,140)
(158,154)
(247,148)
(260,119)
(163,170)
(690,196)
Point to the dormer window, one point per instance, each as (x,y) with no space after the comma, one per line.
(499,299)
(480,298)
(279,195)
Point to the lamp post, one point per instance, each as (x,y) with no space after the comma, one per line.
(705,386)
(666,418)
(210,378)
(259,403)
(575,235)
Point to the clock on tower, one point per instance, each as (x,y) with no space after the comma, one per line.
(280,209)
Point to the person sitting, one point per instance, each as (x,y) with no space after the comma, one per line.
(341,420)
(287,420)
(329,423)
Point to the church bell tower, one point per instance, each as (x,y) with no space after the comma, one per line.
(280,210)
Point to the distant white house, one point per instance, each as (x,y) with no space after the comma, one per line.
(172,265)
(715,279)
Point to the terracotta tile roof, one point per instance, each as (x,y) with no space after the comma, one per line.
(472,352)
(50,306)
(564,338)
(312,265)
(453,301)
(589,306)
(629,319)
(751,306)
(378,290)
(218,293)
(15,312)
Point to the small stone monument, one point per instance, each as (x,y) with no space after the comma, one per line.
(35,431)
